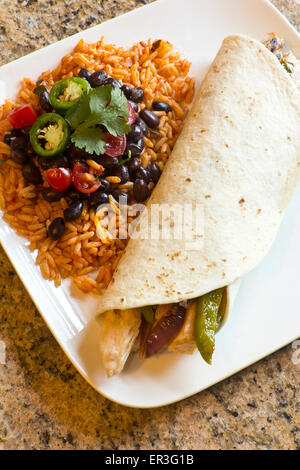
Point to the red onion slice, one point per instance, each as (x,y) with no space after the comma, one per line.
(166,329)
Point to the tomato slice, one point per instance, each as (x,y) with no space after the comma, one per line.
(58,178)
(115,146)
(131,114)
(84,181)
(22,116)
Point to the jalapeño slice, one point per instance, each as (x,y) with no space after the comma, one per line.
(67,92)
(49,135)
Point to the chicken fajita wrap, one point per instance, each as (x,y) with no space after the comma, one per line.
(237,165)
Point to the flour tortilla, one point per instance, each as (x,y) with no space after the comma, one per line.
(238,156)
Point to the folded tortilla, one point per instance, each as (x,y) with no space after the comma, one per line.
(238,157)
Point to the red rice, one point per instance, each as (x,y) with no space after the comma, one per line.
(163,75)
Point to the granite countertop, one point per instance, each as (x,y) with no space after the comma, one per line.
(45,403)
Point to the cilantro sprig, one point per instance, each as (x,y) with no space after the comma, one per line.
(104,106)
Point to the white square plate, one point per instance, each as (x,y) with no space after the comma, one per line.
(265,316)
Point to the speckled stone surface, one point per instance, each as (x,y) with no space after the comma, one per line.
(44,402)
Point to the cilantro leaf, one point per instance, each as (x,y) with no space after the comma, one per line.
(99,98)
(109,106)
(90,139)
(79,112)
(106,106)
(116,115)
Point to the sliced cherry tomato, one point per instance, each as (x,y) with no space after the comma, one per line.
(84,181)
(115,146)
(58,178)
(22,116)
(131,114)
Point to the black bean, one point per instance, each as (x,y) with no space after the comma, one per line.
(73,211)
(126,90)
(161,106)
(135,148)
(97,78)
(19,157)
(39,82)
(106,161)
(155,172)
(56,228)
(150,118)
(141,124)
(73,160)
(140,143)
(105,186)
(39,89)
(44,101)
(69,147)
(77,153)
(84,73)
(140,190)
(121,196)
(104,173)
(133,94)
(10,135)
(28,150)
(76,195)
(19,142)
(135,134)
(133,164)
(134,105)
(143,173)
(26,130)
(97,198)
(122,172)
(31,173)
(60,161)
(113,82)
(43,96)
(136,94)
(52,196)
(44,163)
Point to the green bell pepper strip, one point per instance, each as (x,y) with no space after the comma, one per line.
(148,313)
(206,322)
(222,310)
(67,92)
(49,135)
